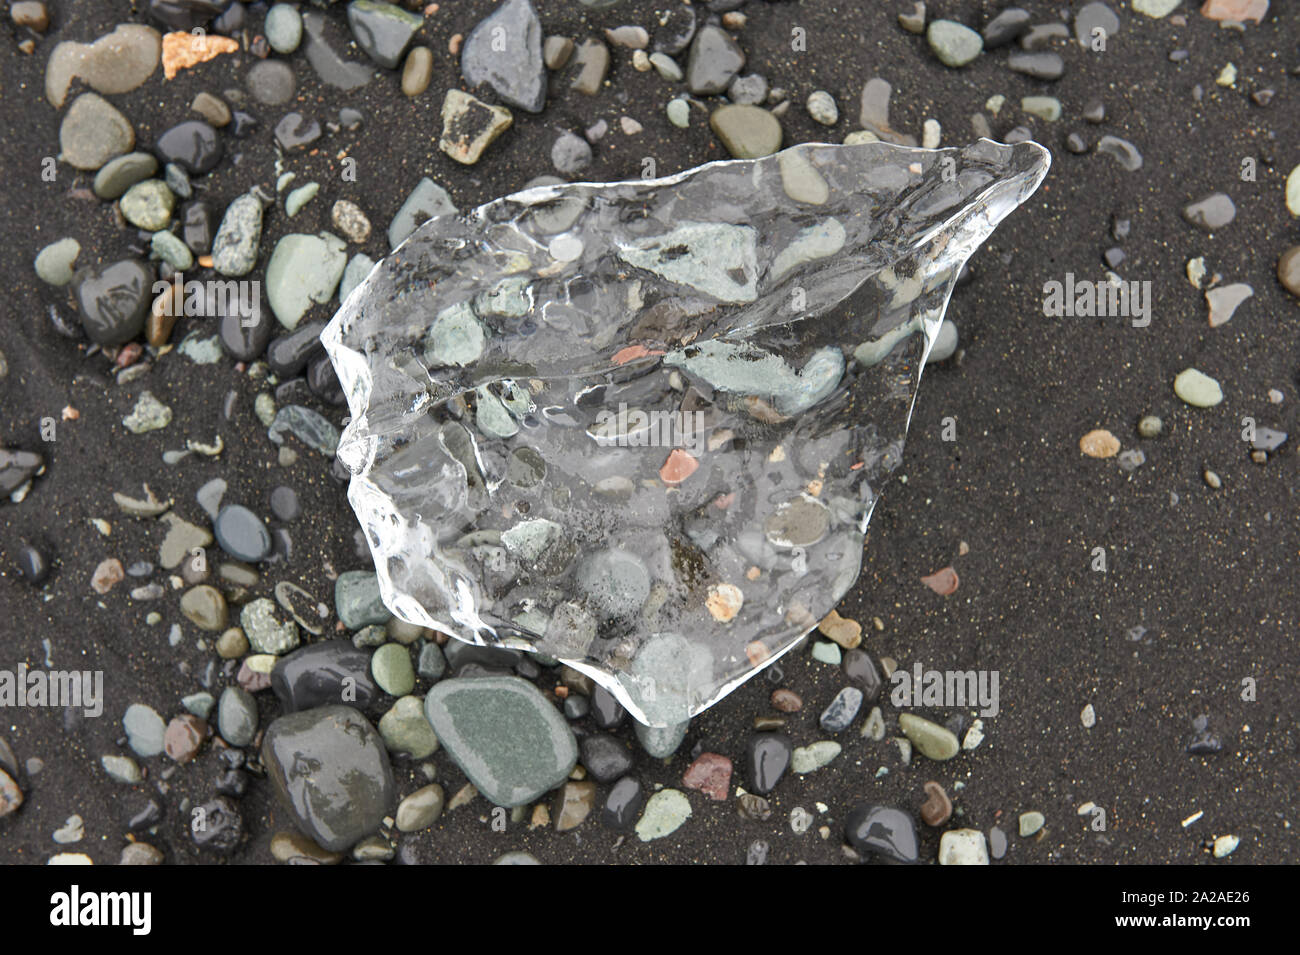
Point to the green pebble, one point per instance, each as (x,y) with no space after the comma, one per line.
(1030,823)
(814,756)
(679,112)
(421,809)
(172,250)
(1197,388)
(405,729)
(748,132)
(1044,107)
(930,738)
(664,814)
(54,262)
(283,27)
(953,43)
(264,408)
(148,205)
(827,652)
(391,668)
(1150,427)
(294,202)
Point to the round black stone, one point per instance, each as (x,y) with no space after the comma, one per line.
(193,145)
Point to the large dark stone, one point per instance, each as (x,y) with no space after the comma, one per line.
(114,300)
(193,145)
(769,757)
(324,673)
(330,770)
(882,830)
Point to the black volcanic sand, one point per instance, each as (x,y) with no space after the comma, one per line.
(1212,577)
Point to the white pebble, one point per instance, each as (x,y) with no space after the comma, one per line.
(931,132)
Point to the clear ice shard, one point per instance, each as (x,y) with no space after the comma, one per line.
(640,427)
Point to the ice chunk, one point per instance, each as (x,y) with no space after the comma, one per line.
(574,442)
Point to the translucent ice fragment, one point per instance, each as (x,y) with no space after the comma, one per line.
(641,426)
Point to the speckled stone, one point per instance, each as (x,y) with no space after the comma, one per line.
(504,735)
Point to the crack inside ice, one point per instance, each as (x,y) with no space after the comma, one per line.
(640,427)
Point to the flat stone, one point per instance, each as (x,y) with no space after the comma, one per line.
(332,69)
(113,300)
(116,62)
(406,729)
(882,830)
(810,758)
(242,534)
(570,153)
(1042,65)
(842,711)
(145,730)
(330,770)
(205,607)
(1197,388)
(1213,212)
(768,757)
(821,107)
(1008,25)
(504,735)
(1288,270)
(181,539)
(417,71)
(1224,300)
(1092,18)
(54,263)
(295,131)
(591,63)
(237,716)
(392,670)
(271,82)
(623,804)
(93,132)
(963,847)
(193,145)
(930,739)
(420,809)
(303,269)
(283,28)
(308,426)
(358,601)
(1156,9)
(427,200)
(715,58)
(383,31)
(120,174)
(573,804)
(664,814)
(1122,151)
(504,52)
(952,43)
